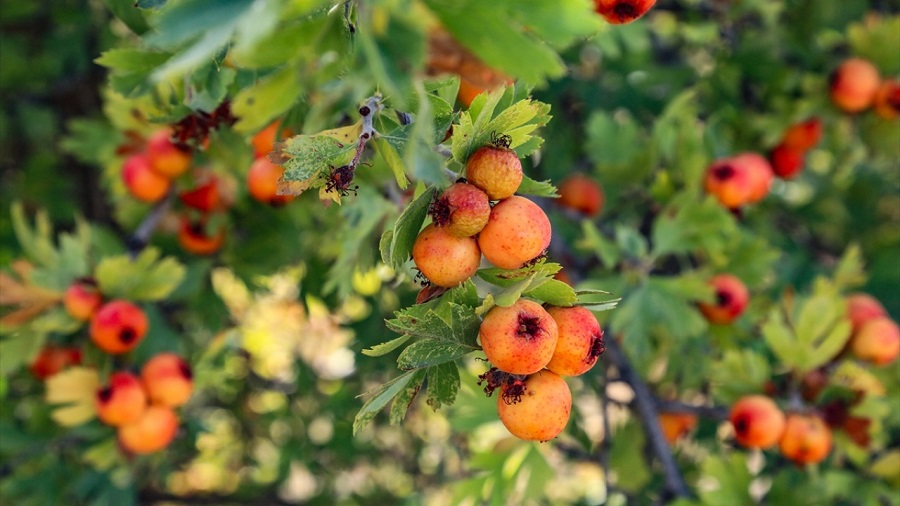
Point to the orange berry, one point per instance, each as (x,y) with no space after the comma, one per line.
(141,181)
(806,439)
(517,232)
(787,162)
(803,136)
(887,99)
(496,170)
(168,380)
(462,209)
(262,181)
(445,259)
(118,326)
(877,340)
(757,421)
(82,299)
(122,401)
(519,339)
(730,183)
(53,359)
(539,409)
(264,140)
(862,307)
(166,158)
(152,432)
(676,425)
(580,341)
(193,238)
(731,300)
(854,85)
(581,193)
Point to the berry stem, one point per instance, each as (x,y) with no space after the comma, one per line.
(646,408)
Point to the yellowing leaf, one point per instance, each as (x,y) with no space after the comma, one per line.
(75,388)
(30,300)
(855,377)
(232,291)
(344,134)
(888,467)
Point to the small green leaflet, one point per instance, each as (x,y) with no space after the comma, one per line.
(312,156)
(56,267)
(406,229)
(478,125)
(534,282)
(425,322)
(536,188)
(145,278)
(403,400)
(385,348)
(443,385)
(429,352)
(382,395)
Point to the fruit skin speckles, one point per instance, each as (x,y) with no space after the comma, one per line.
(517,232)
(496,170)
(463,210)
(580,341)
(519,339)
(541,412)
(444,259)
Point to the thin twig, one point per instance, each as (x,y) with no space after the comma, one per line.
(141,236)
(646,408)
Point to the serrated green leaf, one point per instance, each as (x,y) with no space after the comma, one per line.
(478,126)
(386,347)
(429,352)
(312,157)
(553,292)
(443,385)
(536,188)
(403,400)
(20,349)
(780,338)
(455,323)
(631,242)
(464,294)
(132,60)
(389,153)
(381,396)
(407,228)
(849,272)
(145,278)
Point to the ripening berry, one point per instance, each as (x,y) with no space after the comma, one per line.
(141,181)
(462,210)
(53,359)
(757,421)
(803,136)
(538,410)
(730,183)
(676,425)
(192,236)
(887,99)
(517,232)
(82,299)
(877,340)
(620,12)
(580,341)
(786,161)
(167,379)
(262,181)
(118,326)
(519,339)
(166,158)
(854,85)
(862,307)
(496,170)
(581,193)
(731,300)
(122,401)
(760,173)
(153,431)
(806,439)
(205,197)
(445,259)
(264,140)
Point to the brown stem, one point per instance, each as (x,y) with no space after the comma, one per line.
(646,407)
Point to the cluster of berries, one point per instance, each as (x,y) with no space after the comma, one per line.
(262,179)
(150,174)
(531,349)
(140,407)
(465,226)
(788,157)
(856,85)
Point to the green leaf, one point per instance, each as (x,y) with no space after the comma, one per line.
(631,242)
(20,349)
(623,456)
(494,32)
(849,272)
(312,158)
(386,347)
(132,60)
(738,373)
(688,225)
(478,126)
(729,481)
(403,400)
(150,4)
(389,153)
(208,87)
(429,352)
(381,396)
(257,105)
(553,292)
(593,240)
(443,385)
(391,53)
(146,277)
(407,228)
(536,188)
(452,322)
(384,246)
(511,293)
